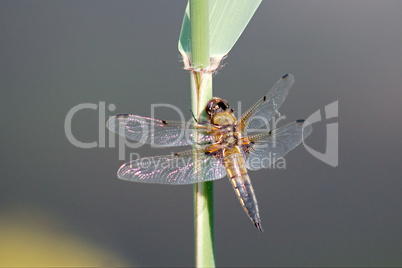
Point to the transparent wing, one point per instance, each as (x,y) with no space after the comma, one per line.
(178,168)
(267,148)
(260,114)
(157,132)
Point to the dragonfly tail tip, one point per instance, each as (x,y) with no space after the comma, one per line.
(258,226)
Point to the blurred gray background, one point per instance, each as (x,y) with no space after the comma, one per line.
(55,55)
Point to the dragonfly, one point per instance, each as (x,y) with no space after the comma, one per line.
(226,146)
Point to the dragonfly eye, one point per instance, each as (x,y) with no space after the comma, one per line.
(216,105)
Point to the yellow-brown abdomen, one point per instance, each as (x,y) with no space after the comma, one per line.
(241,183)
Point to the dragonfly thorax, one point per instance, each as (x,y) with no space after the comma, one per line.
(230,137)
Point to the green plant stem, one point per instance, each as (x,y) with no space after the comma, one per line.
(199,25)
(201,93)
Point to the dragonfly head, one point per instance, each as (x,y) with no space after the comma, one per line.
(215,106)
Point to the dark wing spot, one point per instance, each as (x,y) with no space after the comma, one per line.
(270,132)
(264,98)
(164,122)
(286,75)
(123,115)
(300,121)
(248,148)
(176,154)
(217,153)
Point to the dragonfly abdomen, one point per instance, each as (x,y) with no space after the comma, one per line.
(242,185)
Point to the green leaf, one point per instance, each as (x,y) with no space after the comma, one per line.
(227,21)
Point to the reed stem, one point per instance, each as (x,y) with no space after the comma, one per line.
(201,93)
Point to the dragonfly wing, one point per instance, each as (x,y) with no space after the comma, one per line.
(268,147)
(261,113)
(155,132)
(178,168)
